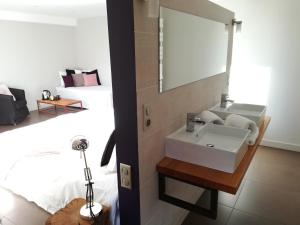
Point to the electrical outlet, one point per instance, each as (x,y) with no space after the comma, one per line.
(125,171)
(147,117)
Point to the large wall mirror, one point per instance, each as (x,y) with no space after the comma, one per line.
(191,48)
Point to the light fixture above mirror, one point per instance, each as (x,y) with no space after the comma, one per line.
(237,24)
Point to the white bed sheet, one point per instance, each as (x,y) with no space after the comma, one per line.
(37,161)
(93,97)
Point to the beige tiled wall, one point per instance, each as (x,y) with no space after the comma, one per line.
(168,109)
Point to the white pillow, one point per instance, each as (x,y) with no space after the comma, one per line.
(78,71)
(5,91)
(87,71)
(61,74)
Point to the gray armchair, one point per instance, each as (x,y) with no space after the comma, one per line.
(13,112)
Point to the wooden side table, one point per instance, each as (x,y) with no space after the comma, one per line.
(64,103)
(70,215)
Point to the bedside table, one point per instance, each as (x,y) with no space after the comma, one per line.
(70,215)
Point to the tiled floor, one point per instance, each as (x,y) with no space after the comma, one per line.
(269,194)
(34,117)
(15,210)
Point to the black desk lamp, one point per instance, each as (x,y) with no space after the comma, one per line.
(91,209)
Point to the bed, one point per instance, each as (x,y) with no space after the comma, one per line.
(93,97)
(41,167)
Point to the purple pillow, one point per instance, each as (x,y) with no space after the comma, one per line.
(68,80)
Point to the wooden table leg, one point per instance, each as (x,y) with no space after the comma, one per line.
(38,105)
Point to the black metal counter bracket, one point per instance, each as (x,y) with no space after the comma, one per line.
(212,212)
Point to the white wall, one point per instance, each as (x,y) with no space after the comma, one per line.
(267,55)
(92,46)
(32,54)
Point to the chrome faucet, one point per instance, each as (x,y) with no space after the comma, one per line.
(190,122)
(225,100)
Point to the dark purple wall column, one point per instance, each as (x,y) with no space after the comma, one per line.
(122,54)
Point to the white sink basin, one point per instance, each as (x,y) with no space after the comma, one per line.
(214,146)
(252,112)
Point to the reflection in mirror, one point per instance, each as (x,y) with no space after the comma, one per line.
(190,48)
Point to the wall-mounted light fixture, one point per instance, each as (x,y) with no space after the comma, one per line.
(237,24)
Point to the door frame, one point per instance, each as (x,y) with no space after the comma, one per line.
(120,15)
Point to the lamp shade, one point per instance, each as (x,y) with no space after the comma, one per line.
(79,143)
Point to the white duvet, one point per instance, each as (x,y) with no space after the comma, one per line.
(37,161)
(92,97)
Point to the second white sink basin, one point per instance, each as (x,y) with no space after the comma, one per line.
(214,146)
(255,113)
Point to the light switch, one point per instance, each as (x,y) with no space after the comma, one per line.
(147,117)
(125,174)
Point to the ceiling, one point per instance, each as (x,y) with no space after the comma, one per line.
(75,9)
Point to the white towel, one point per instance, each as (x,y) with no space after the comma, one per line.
(234,120)
(209,117)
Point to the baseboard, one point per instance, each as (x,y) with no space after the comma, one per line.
(281,145)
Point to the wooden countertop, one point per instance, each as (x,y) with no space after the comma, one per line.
(211,178)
